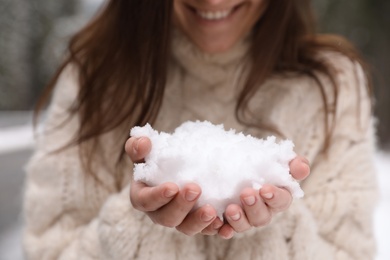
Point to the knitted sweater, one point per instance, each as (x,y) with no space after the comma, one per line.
(69,215)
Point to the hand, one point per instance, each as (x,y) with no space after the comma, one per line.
(258,207)
(166,204)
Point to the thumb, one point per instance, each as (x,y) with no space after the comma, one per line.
(299,168)
(138,148)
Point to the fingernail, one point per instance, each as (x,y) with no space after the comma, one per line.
(191,195)
(138,141)
(135,145)
(268,195)
(236,216)
(307,168)
(206,217)
(229,236)
(218,225)
(169,193)
(250,200)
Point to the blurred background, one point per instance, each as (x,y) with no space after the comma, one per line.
(33,36)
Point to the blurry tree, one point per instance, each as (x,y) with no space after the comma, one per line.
(25,26)
(367,24)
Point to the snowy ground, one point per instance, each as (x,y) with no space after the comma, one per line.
(382,217)
(16,141)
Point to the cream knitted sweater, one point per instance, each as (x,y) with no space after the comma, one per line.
(69,215)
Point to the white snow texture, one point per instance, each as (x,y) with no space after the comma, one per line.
(221,162)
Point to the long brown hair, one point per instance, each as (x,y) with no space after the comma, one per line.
(122,57)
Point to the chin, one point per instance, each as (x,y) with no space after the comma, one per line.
(213,48)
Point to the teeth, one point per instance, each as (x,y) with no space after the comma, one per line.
(218,15)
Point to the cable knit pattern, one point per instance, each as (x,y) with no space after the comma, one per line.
(72,216)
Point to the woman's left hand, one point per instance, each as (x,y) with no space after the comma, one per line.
(259,206)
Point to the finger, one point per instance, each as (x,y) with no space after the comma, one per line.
(256,210)
(226,231)
(213,228)
(236,218)
(198,220)
(277,199)
(173,213)
(145,198)
(138,148)
(299,168)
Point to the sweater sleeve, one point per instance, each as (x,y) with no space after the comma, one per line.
(335,217)
(341,192)
(70,215)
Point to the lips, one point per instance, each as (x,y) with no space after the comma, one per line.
(214,15)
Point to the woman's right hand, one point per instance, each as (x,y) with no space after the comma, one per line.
(166,204)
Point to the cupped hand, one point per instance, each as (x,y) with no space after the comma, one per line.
(168,205)
(259,206)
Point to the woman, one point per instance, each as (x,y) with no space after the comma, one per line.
(254,65)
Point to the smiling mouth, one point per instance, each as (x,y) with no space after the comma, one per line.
(218,15)
(214,15)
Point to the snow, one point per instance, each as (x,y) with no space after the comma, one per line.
(221,162)
(16,139)
(382,216)
(10,244)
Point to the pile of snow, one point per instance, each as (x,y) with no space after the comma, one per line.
(221,162)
